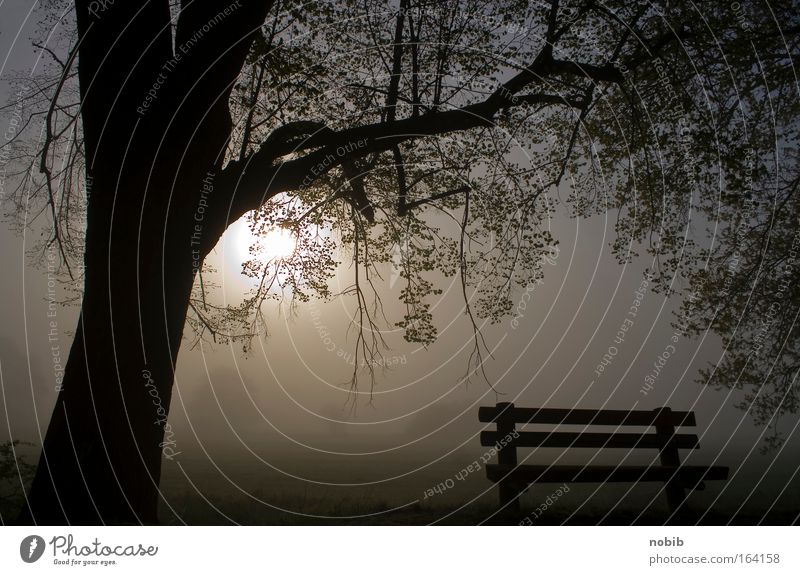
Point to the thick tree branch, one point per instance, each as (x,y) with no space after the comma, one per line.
(212,40)
(259,177)
(397,64)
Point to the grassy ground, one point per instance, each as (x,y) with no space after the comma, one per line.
(370,512)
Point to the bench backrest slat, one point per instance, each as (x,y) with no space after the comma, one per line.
(524,415)
(593,440)
(513,478)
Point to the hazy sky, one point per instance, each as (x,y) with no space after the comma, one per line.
(277,422)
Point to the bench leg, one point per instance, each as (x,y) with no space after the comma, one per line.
(676,495)
(509,492)
(509,496)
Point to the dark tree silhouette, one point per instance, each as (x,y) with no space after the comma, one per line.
(439,129)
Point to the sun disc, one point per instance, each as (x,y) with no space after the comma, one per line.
(274,245)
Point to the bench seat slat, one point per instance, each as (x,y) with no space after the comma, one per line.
(525,474)
(588,439)
(552,416)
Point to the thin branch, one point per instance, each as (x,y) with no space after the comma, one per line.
(416,203)
(44,168)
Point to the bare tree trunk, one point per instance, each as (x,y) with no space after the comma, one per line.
(150,224)
(148,161)
(101,461)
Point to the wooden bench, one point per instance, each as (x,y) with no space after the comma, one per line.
(514,478)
